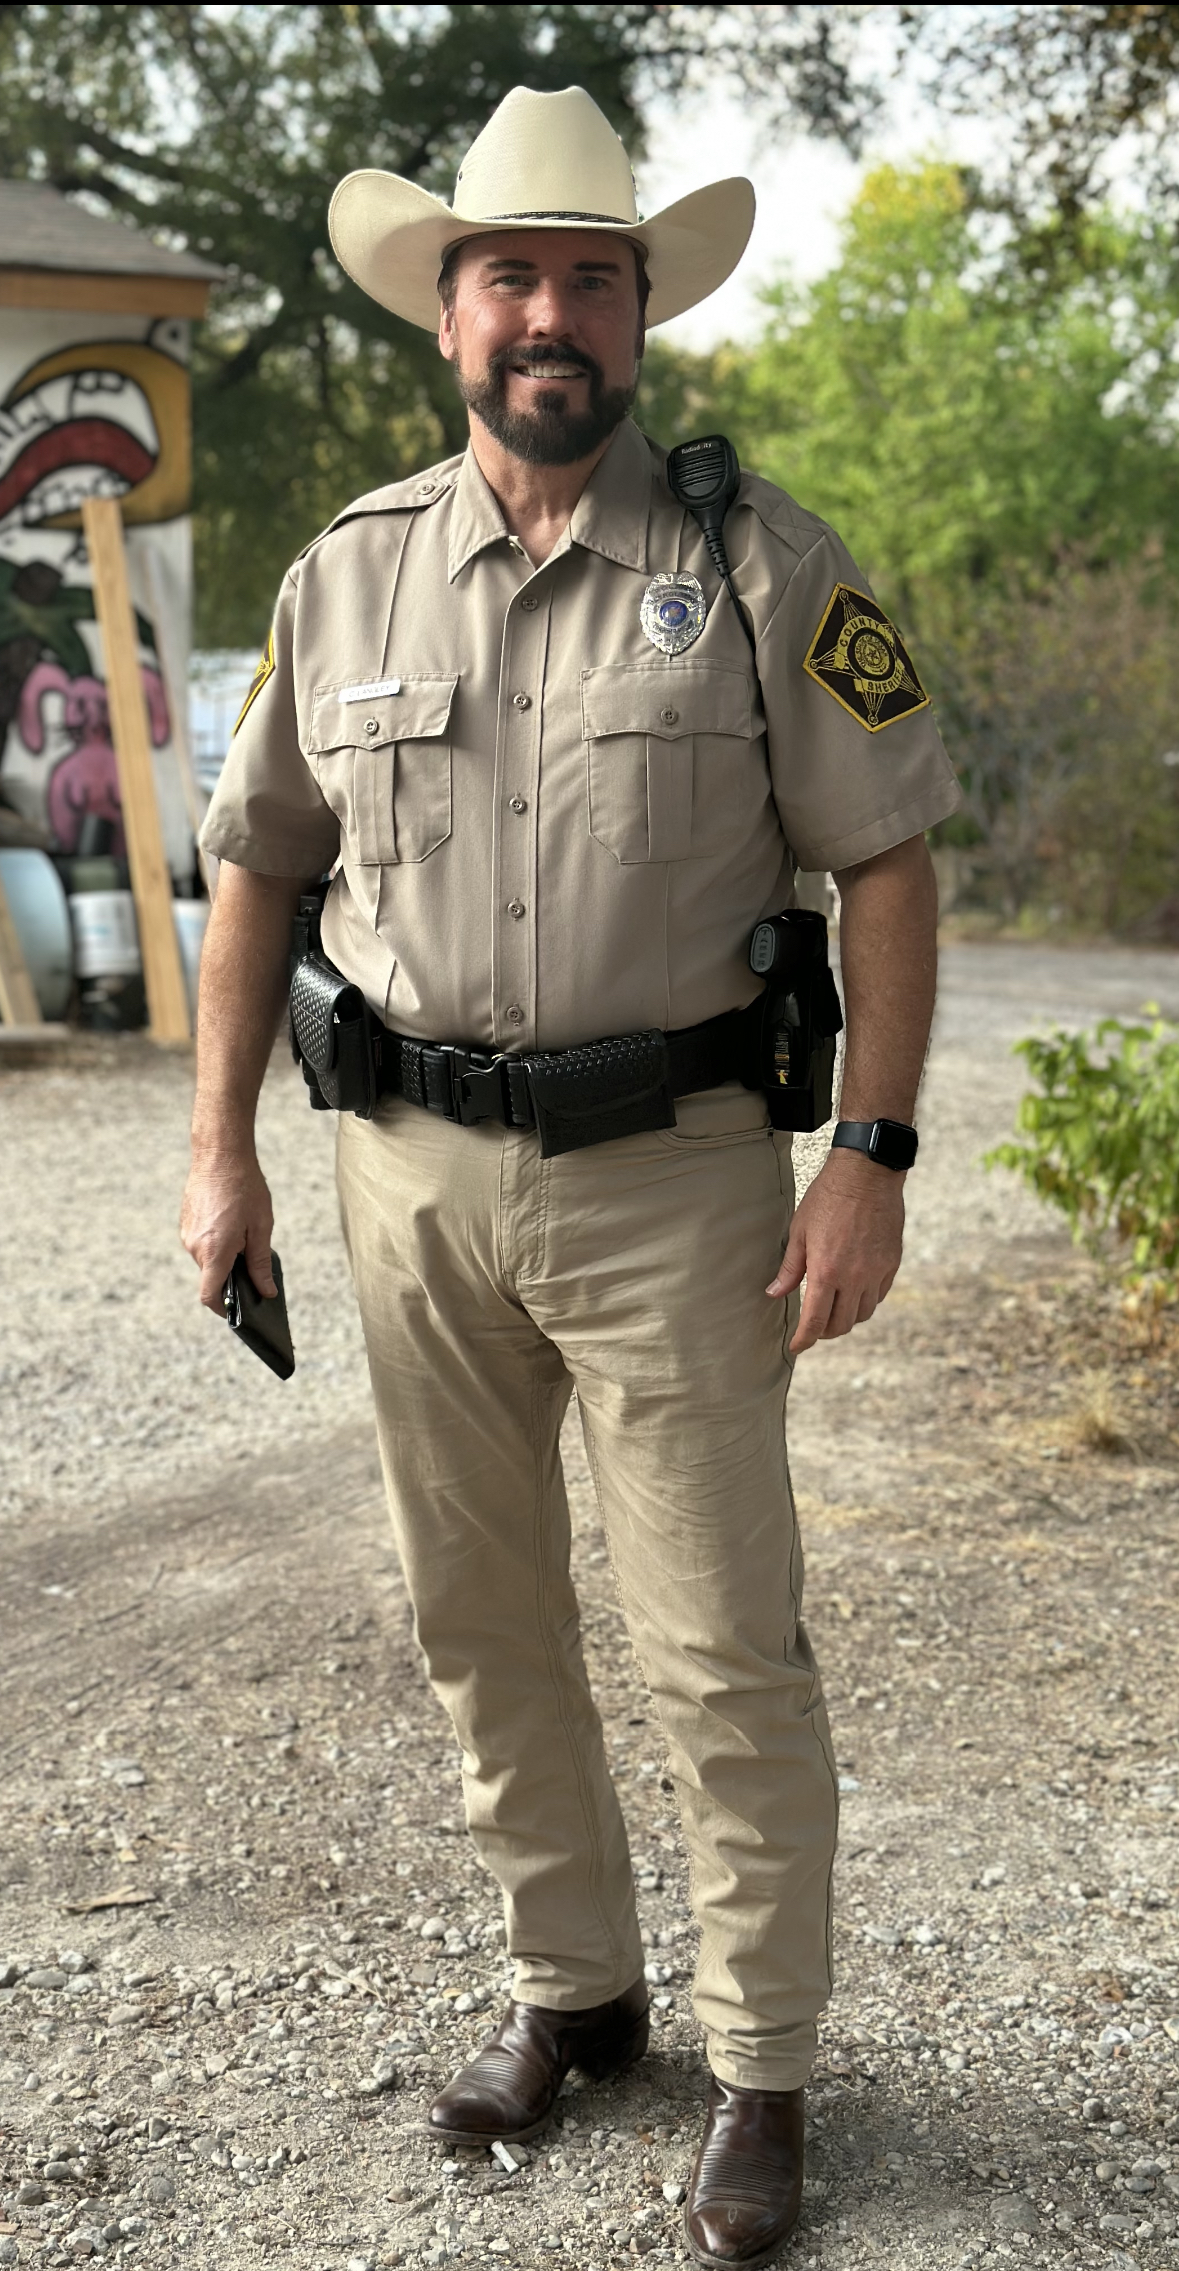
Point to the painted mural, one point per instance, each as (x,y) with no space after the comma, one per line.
(103,414)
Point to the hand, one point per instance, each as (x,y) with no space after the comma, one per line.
(226,1211)
(845,1240)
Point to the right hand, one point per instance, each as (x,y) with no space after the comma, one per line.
(226,1211)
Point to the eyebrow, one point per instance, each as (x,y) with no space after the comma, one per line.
(580,267)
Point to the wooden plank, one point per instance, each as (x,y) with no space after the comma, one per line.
(16,1037)
(196,802)
(167,998)
(103,295)
(18,1002)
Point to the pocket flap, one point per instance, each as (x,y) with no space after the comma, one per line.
(419,712)
(666,699)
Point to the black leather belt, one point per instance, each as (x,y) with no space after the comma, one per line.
(579,1096)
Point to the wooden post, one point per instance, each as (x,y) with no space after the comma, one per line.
(18,1002)
(167,998)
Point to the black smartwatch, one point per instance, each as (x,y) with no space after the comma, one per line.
(889,1142)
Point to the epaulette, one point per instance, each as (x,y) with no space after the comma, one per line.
(782,515)
(411,495)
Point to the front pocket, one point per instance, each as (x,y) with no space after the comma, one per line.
(669,746)
(384,765)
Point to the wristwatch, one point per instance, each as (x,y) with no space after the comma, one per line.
(889,1142)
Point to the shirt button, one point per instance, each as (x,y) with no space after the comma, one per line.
(522,701)
(518,803)
(529,602)
(669,717)
(515,1014)
(372,725)
(516,908)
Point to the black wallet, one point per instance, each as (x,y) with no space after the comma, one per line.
(262,1324)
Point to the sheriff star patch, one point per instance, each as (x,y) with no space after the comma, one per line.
(264,671)
(858,656)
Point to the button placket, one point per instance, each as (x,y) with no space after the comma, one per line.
(520,710)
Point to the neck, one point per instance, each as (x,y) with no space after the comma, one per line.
(537,501)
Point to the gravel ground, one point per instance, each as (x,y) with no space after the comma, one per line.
(242,1935)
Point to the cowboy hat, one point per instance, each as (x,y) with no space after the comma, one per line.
(541,162)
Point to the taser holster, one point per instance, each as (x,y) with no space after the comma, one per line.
(800,1019)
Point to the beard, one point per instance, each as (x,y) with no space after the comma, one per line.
(552,433)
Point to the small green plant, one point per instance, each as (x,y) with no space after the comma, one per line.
(1102,1132)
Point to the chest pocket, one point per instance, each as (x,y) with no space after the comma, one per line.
(671,758)
(383,763)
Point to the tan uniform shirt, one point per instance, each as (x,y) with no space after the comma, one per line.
(548,830)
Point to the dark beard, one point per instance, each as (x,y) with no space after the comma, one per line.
(552,434)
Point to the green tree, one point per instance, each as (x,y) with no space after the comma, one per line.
(226,128)
(959,430)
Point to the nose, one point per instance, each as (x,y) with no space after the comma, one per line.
(551,312)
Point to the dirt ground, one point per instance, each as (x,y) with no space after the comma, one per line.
(242,1935)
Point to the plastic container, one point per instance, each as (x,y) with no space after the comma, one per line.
(41,917)
(106,937)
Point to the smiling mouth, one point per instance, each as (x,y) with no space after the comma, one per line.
(548,371)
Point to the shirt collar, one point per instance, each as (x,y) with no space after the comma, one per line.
(610,516)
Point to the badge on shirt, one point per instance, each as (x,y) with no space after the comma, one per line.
(858,656)
(264,671)
(673,611)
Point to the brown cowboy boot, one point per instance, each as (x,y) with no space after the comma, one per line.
(746,2187)
(510,2087)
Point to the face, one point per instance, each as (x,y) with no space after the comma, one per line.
(545,337)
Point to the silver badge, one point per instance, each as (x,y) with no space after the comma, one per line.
(673,612)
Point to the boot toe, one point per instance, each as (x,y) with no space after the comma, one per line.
(730,2231)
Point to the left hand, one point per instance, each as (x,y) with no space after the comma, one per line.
(845,1240)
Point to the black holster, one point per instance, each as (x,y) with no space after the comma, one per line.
(335,1038)
(800,1020)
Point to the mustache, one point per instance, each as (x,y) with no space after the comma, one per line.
(535,357)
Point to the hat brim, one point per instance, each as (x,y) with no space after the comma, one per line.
(390,237)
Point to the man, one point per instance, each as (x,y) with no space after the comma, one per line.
(513,699)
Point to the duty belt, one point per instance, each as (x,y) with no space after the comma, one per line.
(572,1097)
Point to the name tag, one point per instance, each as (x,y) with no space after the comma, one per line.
(370,691)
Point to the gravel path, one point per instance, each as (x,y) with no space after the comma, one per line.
(211,1708)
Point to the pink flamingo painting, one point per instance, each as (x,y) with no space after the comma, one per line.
(87,779)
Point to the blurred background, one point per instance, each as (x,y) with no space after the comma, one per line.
(954,336)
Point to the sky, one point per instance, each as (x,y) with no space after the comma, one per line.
(803,186)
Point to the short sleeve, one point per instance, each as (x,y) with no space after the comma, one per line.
(267,811)
(856,760)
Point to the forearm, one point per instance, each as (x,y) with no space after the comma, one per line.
(243,988)
(888,960)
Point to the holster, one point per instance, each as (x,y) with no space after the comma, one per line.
(800,1021)
(335,1038)
(611,1088)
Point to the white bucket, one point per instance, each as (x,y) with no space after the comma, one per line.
(37,905)
(192,918)
(106,938)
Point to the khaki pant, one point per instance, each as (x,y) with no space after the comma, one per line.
(491,1283)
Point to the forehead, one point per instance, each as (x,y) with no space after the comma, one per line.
(548,252)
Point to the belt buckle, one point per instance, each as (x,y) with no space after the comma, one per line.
(478,1085)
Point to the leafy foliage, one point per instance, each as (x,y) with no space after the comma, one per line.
(1103,1132)
(1077,89)
(961,431)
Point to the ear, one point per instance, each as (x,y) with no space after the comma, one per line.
(447,343)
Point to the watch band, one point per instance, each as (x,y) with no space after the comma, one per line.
(889,1142)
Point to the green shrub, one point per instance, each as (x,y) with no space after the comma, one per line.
(1103,1141)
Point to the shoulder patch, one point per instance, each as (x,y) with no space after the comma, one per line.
(858,656)
(264,671)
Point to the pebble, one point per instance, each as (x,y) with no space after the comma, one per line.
(1014,2213)
(32,2081)
(434,1928)
(161,2188)
(673,2194)
(125,2014)
(48,1978)
(9,2251)
(58,2172)
(9,1974)
(30,2194)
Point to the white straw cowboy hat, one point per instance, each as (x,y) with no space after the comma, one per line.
(541,162)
